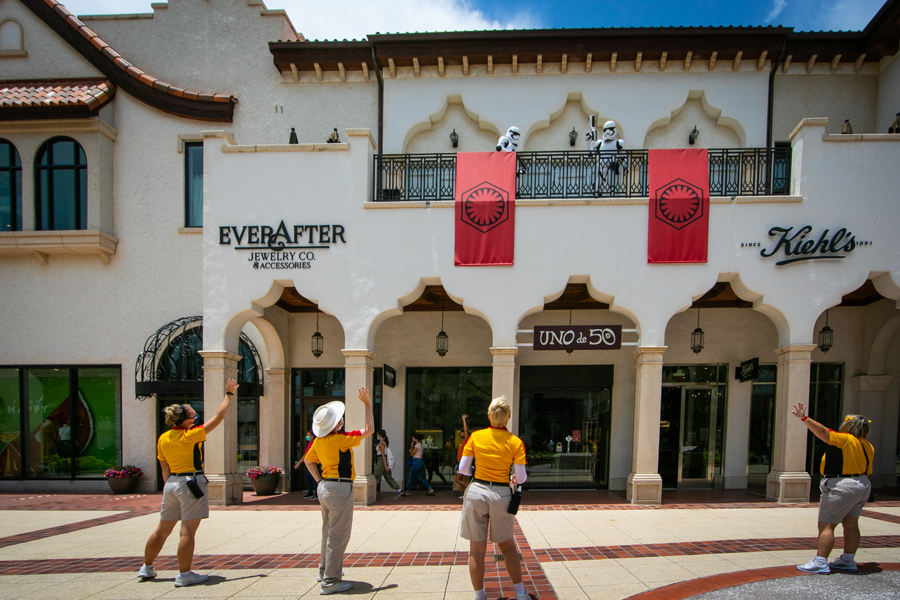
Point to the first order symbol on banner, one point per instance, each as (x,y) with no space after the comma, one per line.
(485,206)
(679,203)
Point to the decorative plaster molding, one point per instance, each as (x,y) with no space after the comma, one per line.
(51,126)
(44,243)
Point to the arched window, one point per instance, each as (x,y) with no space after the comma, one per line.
(61,185)
(11,37)
(10,188)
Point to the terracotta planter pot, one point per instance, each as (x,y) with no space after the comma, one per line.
(123,485)
(266,485)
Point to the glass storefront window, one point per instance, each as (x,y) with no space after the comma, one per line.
(762,423)
(100,435)
(10,425)
(695,374)
(436,399)
(72,420)
(325,382)
(248,436)
(825,402)
(558,403)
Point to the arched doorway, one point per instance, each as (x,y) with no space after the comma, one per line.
(171,368)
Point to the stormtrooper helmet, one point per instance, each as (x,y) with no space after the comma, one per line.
(609,130)
(513,133)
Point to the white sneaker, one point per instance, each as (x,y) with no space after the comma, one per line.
(814,567)
(147,572)
(337,588)
(189,578)
(524,596)
(843,564)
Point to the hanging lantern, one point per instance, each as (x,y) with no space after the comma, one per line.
(573,137)
(454,138)
(697,336)
(826,336)
(442,341)
(318,342)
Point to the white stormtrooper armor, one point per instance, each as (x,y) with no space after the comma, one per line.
(611,168)
(510,141)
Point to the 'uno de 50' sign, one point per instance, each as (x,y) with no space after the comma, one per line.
(577,337)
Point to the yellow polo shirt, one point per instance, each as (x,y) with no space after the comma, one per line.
(844,455)
(335,453)
(495,450)
(182,449)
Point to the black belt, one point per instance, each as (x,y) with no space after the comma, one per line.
(490,483)
(188,474)
(338,479)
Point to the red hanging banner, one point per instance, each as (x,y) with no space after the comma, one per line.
(485,208)
(679,206)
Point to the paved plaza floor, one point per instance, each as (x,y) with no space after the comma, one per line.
(574,545)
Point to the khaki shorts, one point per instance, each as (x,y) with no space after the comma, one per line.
(842,497)
(179,504)
(486,504)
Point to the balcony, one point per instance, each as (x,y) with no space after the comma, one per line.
(582,174)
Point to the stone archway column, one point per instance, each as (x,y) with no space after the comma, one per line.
(358,366)
(644,483)
(503,380)
(870,391)
(220,448)
(274,425)
(788,481)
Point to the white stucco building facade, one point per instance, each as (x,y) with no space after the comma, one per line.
(366,253)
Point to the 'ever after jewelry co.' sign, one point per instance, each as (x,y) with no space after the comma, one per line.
(577,337)
(282,247)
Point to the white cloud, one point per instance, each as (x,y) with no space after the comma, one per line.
(847,15)
(349,19)
(777,7)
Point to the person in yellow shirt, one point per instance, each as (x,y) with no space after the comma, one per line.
(333,450)
(845,486)
(180,454)
(494,451)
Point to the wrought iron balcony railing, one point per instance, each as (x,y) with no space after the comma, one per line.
(732,172)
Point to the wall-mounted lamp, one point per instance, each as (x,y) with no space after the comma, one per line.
(454,138)
(826,336)
(292,139)
(693,136)
(318,342)
(697,336)
(573,137)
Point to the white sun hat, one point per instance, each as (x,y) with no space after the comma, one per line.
(326,418)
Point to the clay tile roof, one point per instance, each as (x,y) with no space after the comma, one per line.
(120,72)
(91,94)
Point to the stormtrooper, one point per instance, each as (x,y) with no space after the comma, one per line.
(613,160)
(510,143)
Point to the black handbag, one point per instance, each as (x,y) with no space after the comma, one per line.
(515,501)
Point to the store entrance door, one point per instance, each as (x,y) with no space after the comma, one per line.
(311,389)
(686,447)
(565,423)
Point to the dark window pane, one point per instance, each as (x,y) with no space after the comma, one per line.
(98,444)
(762,425)
(247,436)
(63,153)
(767,373)
(194,185)
(18,182)
(10,425)
(64,199)
(82,198)
(323,382)
(49,423)
(43,183)
(830,372)
(5,153)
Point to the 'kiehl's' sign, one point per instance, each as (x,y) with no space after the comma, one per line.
(299,237)
(577,337)
(798,248)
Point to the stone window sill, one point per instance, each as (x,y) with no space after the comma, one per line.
(42,244)
(191,230)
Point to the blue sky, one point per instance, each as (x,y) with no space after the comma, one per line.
(353,19)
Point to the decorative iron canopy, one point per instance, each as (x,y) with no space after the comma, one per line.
(170,362)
